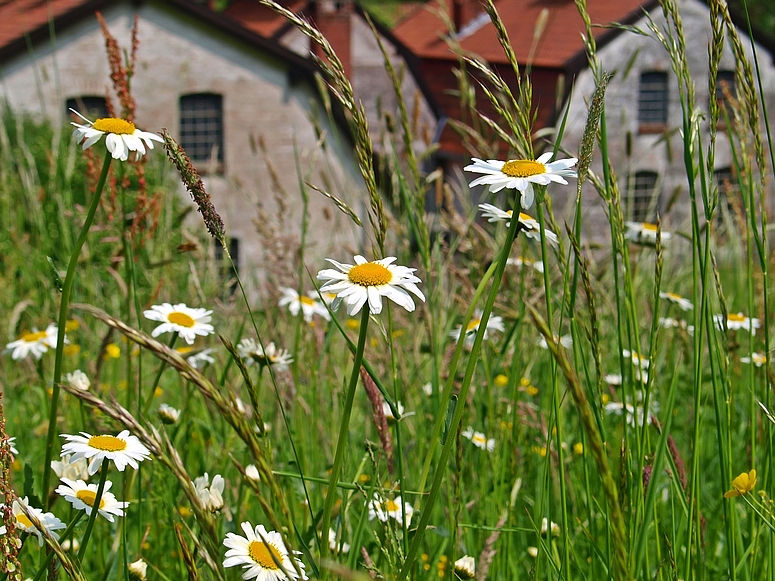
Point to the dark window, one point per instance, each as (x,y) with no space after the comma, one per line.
(728,189)
(201,127)
(91,107)
(642,201)
(227,272)
(725,93)
(652,102)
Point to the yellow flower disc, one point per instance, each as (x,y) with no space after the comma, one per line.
(261,553)
(737,318)
(369,274)
(649,227)
(22,519)
(473,325)
(113,125)
(181,319)
(88,497)
(391,506)
(33,337)
(107,443)
(523,168)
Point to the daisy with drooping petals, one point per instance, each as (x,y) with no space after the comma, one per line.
(308,305)
(493,324)
(197,358)
(137,570)
(122,136)
(46,519)
(262,554)
(530,226)
(521,174)
(684,303)
(82,496)
(33,342)
(465,567)
(168,414)
(478,439)
(637,359)
(78,379)
(180,319)
(252,352)
(757,359)
(737,321)
(521,261)
(387,509)
(10,443)
(566,341)
(643,233)
(336,546)
(122,449)
(210,494)
(370,281)
(75,470)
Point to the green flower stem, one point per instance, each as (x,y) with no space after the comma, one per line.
(67,287)
(344,432)
(473,359)
(50,554)
(95,509)
(162,366)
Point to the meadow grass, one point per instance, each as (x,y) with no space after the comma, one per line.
(604,452)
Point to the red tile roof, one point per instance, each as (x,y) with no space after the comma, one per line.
(18,17)
(260,19)
(423,31)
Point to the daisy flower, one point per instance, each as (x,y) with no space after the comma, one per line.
(465,567)
(33,342)
(122,136)
(262,554)
(82,496)
(9,442)
(308,305)
(757,359)
(334,546)
(75,470)
(521,174)
(210,495)
(252,472)
(370,281)
(613,379)
(78,380)
(521,261)
(122,449)
(738,321)
(566,341)
(251,351)
(684,303)
(137,570)
(46,519)
(197,359)
(530,226)
(643,233)
(634,413)
(185,321)
(168,414)
(387,509)
(479,440)
(637,359)
(547,527)
(388,413)
(493,324)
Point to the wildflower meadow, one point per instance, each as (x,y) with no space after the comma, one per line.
(475,392)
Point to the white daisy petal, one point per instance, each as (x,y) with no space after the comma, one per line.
(263,555)
(121,136)
(186,321)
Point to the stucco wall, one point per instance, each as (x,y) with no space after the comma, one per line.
(178,55)
(627,57)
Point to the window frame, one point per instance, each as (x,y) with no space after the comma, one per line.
(642,204)
(653,102)
(202,132)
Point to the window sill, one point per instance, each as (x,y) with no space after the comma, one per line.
(652,128)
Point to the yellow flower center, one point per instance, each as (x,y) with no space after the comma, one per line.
(674,296)
(523,168)
(738,318)
(88,497)
(263,553)
(22,519)
(307,301)
(392,506)
(369,274)
(107,443)
(479,439)
(473,325)
(181,319)
(184,350)
(649,227)
(113,125)
(33,337)
(524,217)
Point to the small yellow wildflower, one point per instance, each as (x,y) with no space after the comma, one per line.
(352,324)
(742,484)
(72,349)
(112,351)
(578,448)
(540,450)
(501,380)
(184,511)
(158,391)
(72,325)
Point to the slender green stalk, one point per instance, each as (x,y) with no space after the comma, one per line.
(344,431)
(67,287)
(50,554)
(95,509)
(155,384)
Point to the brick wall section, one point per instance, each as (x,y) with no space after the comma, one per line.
(333,19)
